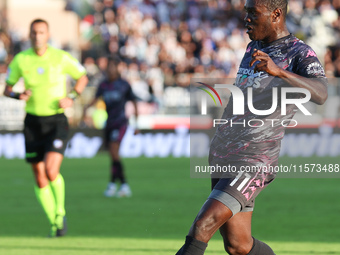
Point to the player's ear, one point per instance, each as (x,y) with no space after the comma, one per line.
(276,15)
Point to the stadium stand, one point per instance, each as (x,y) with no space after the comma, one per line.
(165,43)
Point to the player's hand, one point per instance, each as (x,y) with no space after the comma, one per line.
(265,64)
(65,102)
(25,95)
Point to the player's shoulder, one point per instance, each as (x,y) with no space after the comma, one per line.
(297,43)
(305,60)
(300,48)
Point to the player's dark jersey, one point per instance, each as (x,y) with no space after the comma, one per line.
(115,95)
(258,142)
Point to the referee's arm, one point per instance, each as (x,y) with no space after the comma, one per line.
(21,96)
(81,84)
(77,90)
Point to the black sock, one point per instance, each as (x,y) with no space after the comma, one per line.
(260,248)
(117,172)
(192,247)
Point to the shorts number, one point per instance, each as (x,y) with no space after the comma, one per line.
(246,179)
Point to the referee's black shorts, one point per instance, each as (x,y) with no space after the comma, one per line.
(45,134)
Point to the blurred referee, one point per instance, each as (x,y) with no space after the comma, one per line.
(44,70)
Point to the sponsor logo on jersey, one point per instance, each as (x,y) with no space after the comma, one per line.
(112,96)
(247,77)
(276,54)
(310,53)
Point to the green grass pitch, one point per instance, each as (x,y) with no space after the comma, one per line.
(294,216)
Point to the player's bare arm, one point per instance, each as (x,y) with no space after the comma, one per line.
(134,102)
(317,89)
(78,89)
(21,96)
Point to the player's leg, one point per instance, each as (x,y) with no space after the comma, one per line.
(113,148)
(55,145)
(228,197)
(117,170)
(236,233)
(114,137)
(34,155)
(53,162)
(44,192)
(211,217)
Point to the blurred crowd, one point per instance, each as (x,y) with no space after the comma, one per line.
(165,43)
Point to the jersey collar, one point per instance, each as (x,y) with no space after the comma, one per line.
(278,41)
(45,55)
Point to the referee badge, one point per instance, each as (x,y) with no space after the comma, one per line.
(58,144)
(40,70)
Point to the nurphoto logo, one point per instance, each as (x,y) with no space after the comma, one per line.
(238,104)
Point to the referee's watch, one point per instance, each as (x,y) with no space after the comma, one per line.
(14,95)
(73,95)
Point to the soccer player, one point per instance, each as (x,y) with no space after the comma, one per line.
(274,58)
(115,92)
(43,69)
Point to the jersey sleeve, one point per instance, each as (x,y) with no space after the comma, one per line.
(13,72)
(72,67)
(308,65)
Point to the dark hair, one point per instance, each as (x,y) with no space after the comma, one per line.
(274,4)
(38,21)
